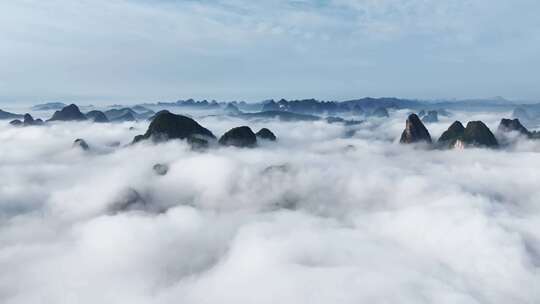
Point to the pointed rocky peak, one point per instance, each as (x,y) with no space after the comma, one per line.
(266,134)
(478,134)
(452,134)
(241,137)
(28,119)
(415,131)
(513,125)
(68,113)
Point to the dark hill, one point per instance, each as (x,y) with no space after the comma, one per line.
(415,131)
(68,113)
(166,126)
(241,137)
(452,134)
(266,134)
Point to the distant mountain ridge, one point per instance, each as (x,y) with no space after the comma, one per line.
(9,115)
(49,106)
(368,106)
(363,105)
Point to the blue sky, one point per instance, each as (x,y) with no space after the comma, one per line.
(140,50)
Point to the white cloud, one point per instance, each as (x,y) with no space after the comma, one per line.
(378,222)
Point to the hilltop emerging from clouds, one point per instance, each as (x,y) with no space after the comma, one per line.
(160,204)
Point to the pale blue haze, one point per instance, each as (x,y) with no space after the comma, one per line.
(134,51)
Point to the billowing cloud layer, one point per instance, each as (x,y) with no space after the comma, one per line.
(141,50)
(315,218)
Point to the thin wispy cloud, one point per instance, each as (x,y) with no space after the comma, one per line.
(154,50)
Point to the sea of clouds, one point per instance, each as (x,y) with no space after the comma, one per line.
(318,217)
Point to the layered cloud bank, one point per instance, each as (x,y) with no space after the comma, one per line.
(317,217)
